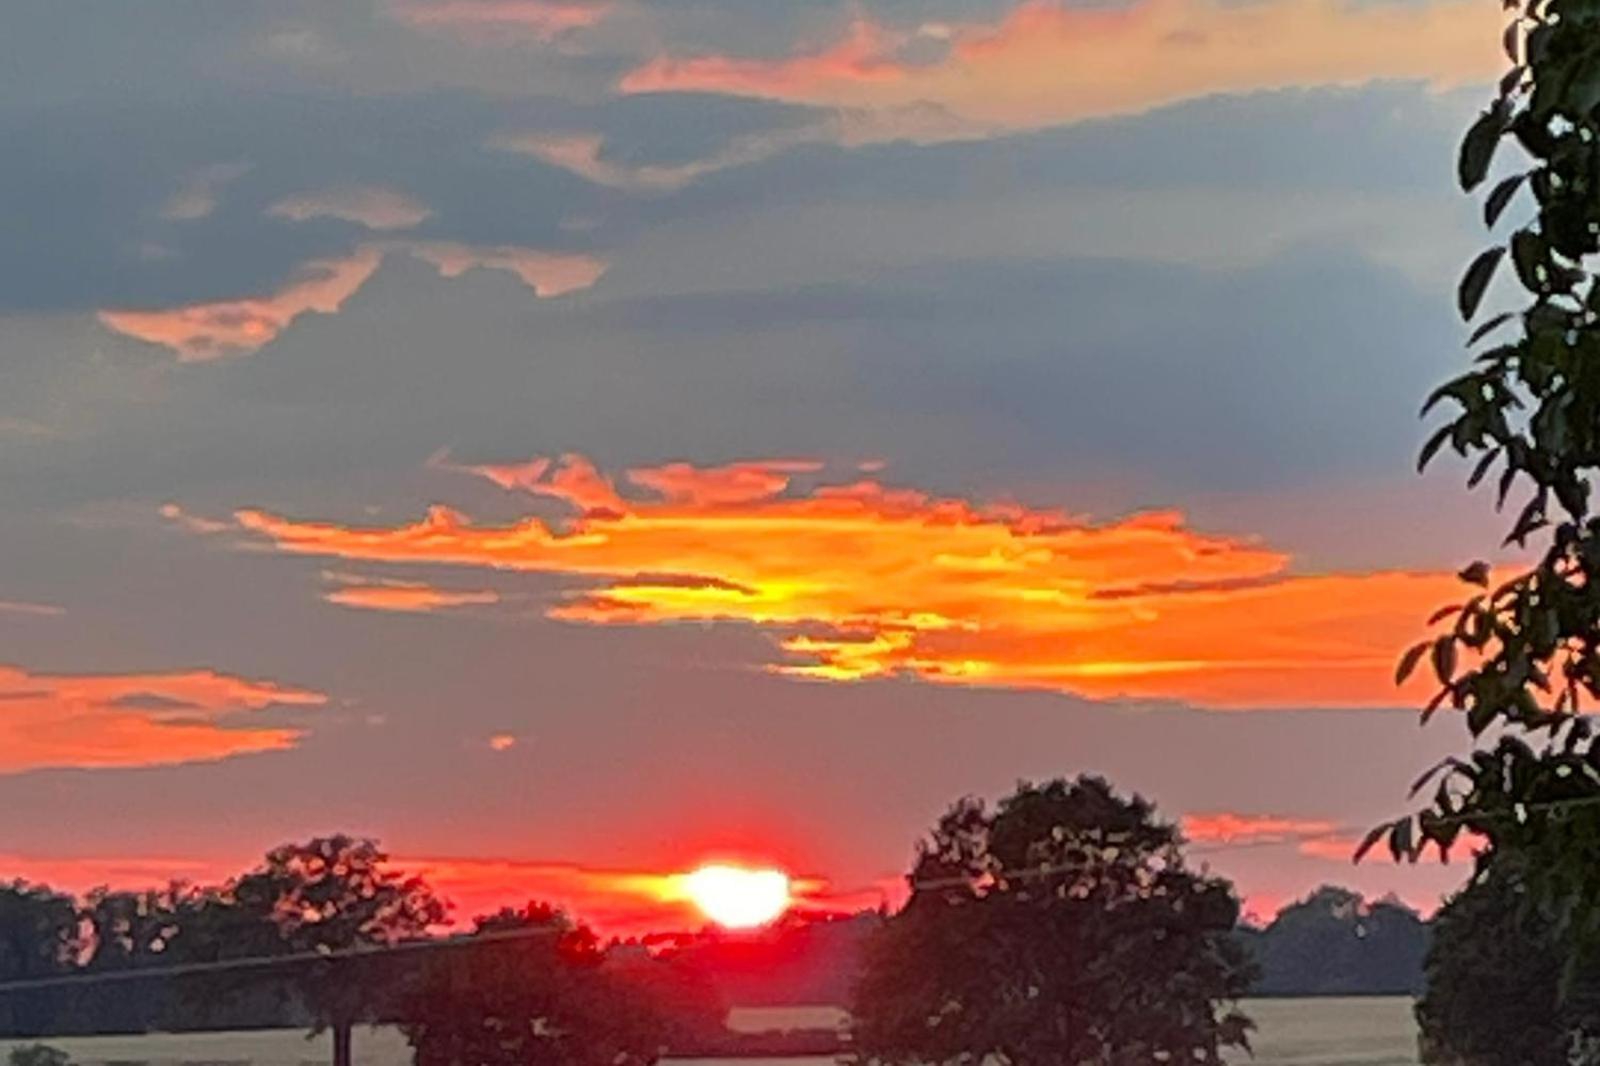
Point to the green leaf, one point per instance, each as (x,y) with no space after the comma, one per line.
(1429,449)
(1444,659)
(1530,252)
(1370,841)
(1482,468)
(1495,204)
(1511,38)
(1408,662)
(1477,147)
(1400,845)
(1476,574)
(1584,90)
(1476,280)
(1490,326)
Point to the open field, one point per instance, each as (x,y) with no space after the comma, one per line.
(1292,1032)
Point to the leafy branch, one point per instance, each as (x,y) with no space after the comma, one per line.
(1520,658)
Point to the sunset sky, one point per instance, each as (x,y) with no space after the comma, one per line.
(576,440)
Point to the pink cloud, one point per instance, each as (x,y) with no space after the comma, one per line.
(731,484)
(489,20)
(206,331)
(546,273)
(366,205)
(573,480)
(1048,62)
(197,197)
(200,332)
(44,610)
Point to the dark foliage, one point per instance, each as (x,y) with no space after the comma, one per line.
(802,959)
(1062,926)
(38,938)
(1494,982)
(1520,659)
(529,1000)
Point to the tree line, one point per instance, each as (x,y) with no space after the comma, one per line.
(1062,924)
(332,929)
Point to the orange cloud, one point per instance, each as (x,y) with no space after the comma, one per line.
(860,580)
(369,206)
(200,332)
(112,720)
(546,20)
(1228,828)
(1048,62)
(387,594)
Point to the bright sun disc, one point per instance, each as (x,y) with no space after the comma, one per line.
(736,898)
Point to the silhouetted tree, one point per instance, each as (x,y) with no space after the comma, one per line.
(1335,943)
(38,939)
(130,931)
(327,896)
(1061,927)
(529,988)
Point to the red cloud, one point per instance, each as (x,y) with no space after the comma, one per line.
(859,580)
(1049,62)
(111,720)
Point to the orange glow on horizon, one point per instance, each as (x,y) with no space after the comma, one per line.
(861,580)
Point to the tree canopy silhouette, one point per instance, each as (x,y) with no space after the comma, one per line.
(527,1001)
(38,938)
(1061,926)
(1520,658)
(1495,969)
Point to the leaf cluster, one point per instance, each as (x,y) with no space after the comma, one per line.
(1519,659)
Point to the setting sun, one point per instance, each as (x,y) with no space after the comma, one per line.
(736,898)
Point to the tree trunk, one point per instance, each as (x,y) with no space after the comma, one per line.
(341,1043)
